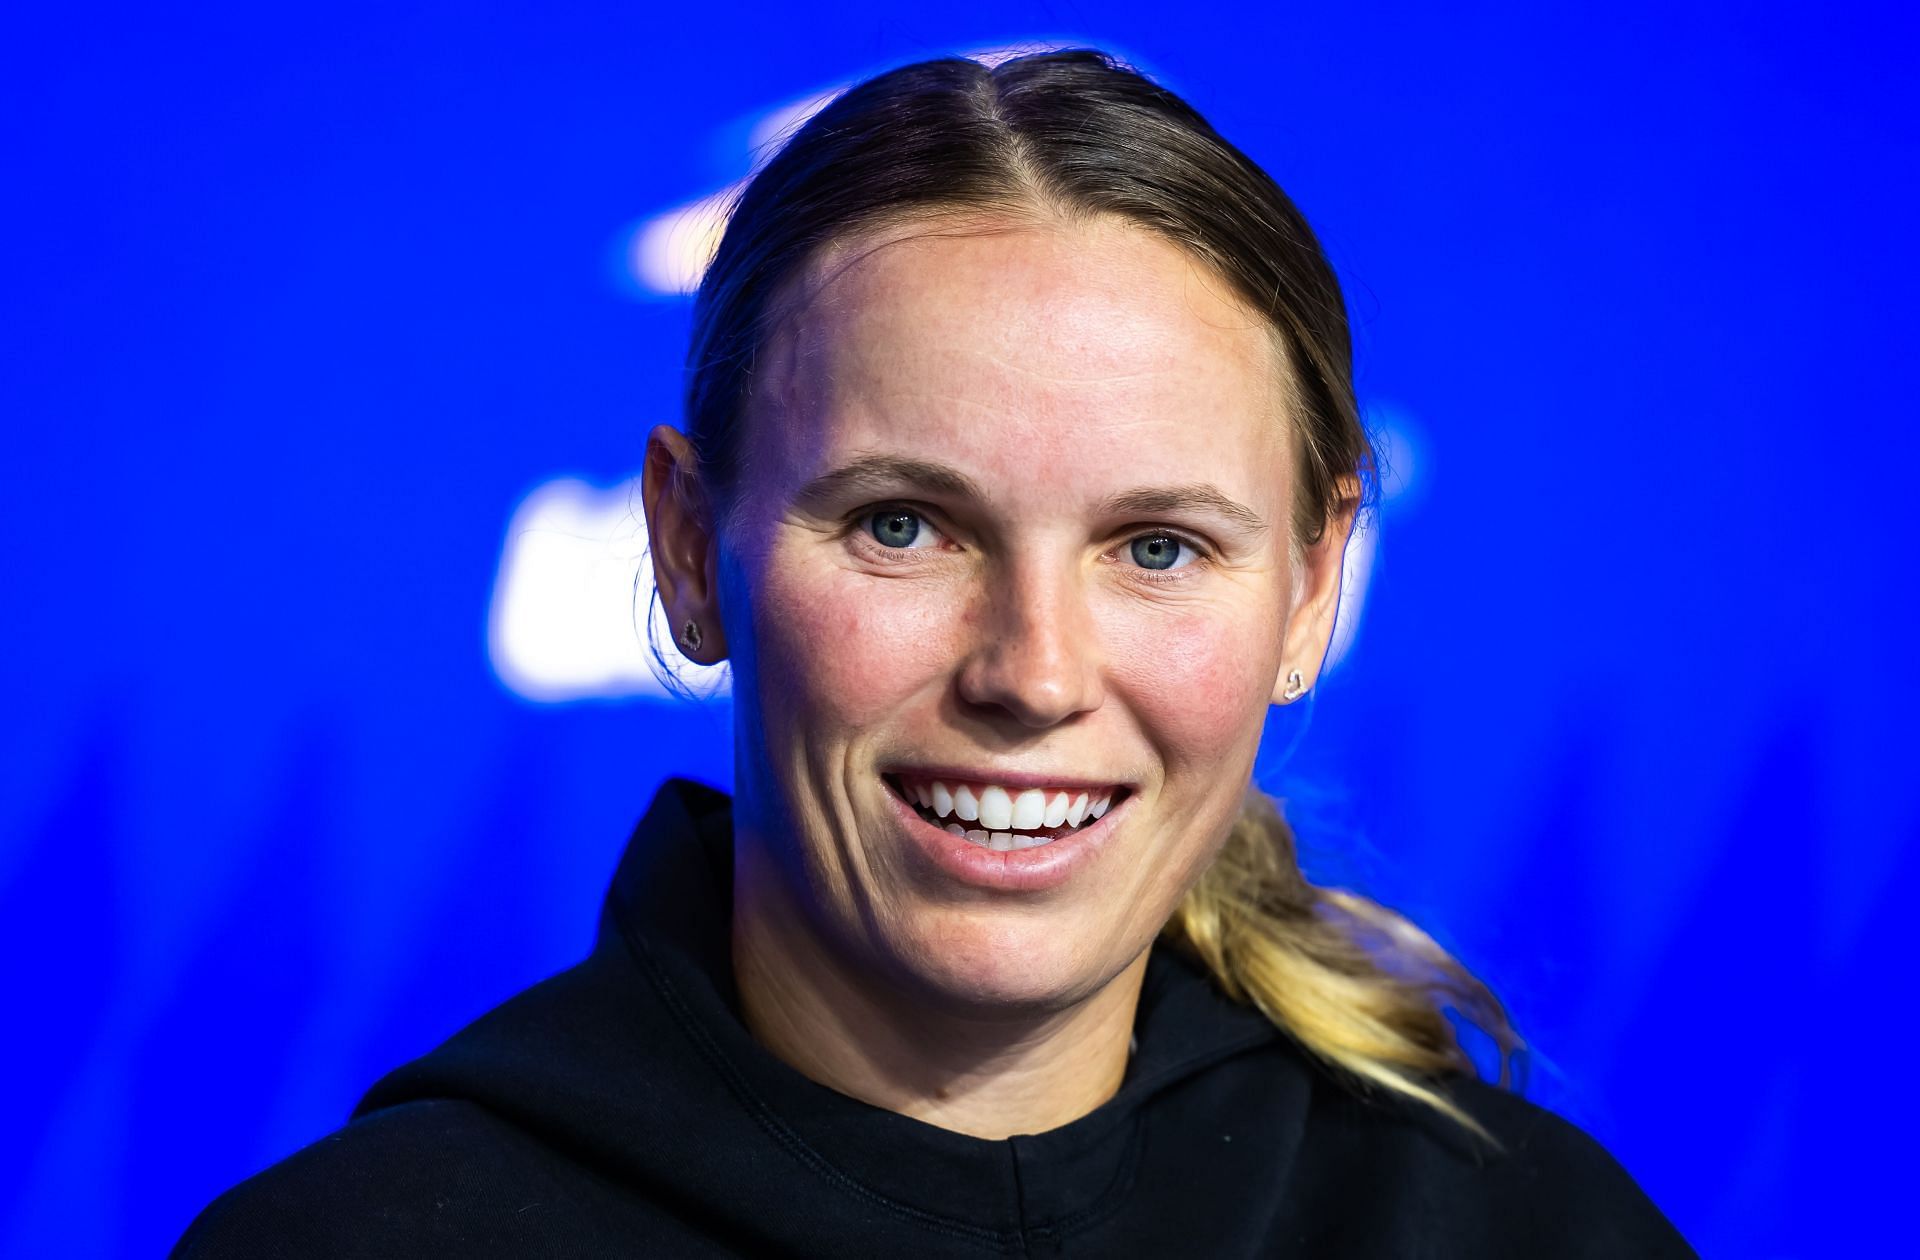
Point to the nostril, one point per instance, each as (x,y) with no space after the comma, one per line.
(1039,677)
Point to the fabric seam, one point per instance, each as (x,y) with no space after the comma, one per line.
(786,1138)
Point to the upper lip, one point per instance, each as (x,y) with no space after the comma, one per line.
(1005,778)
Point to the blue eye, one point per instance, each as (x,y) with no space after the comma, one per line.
(1159,551)
(893,527)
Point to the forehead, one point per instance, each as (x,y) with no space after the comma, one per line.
(1095,342)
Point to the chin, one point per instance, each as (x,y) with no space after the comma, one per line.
(987,961)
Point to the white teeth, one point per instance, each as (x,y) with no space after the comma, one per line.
(996,809)
(998,841)
(1029,808)
(1057,806)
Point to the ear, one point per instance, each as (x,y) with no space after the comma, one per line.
(1316,595)
(683,543)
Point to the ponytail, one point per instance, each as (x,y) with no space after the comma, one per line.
(1359,986)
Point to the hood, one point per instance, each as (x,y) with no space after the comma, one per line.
(636,1064)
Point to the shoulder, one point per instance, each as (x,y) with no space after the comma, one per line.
(510,1139)
(1542,1187)
(432,1177)
(1544,1154)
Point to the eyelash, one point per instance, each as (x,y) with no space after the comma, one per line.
(1202,554)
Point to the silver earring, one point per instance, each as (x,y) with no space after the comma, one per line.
(690,636)
(1295,685)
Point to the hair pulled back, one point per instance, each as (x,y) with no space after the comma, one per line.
(1077,135)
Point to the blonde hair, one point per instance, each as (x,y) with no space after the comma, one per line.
(1357,985)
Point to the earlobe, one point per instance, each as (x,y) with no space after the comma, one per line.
(680,542)
(1310,621)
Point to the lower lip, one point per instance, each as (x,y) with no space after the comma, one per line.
(1038,869)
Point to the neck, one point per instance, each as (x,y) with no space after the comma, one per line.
(983,1073)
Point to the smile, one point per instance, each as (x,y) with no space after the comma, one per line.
(1004,818)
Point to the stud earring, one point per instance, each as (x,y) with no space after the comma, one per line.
(1295,685)
(690,636)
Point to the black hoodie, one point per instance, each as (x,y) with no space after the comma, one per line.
(622,1109)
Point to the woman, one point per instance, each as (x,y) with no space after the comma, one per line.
(1021,452)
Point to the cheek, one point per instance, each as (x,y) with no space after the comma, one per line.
(1200,679)
(847,648)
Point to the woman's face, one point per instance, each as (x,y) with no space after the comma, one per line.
(1012,521)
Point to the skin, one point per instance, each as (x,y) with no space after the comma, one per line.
(1055,364)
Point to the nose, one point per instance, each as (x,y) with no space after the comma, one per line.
(1038,656)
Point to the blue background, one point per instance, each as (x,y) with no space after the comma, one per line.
(301,302)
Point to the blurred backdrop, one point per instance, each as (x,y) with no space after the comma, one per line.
(332,340)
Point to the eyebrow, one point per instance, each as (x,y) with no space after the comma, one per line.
(875,474)
(1197,497)
(883,474)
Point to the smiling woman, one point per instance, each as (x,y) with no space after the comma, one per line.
(1019,459)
